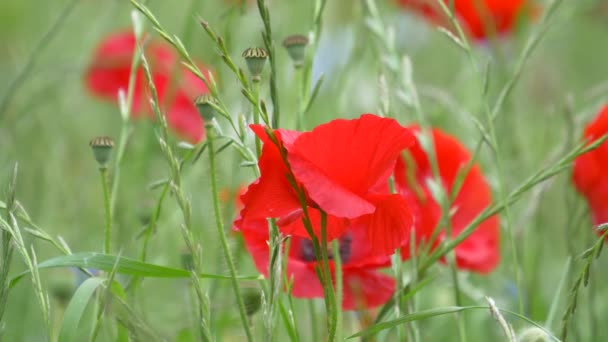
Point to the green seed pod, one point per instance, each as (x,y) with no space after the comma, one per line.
(102,149)
(187,260)
(145,212)
(62,289)
(296,47)
(252,299)
(205,109)
(256,59)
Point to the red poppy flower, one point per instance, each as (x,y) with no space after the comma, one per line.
(591,169)
(363,285)
(481,18)
(480,251)
(110,70)
(344,167)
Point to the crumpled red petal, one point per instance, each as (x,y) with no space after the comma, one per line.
(389,227)
(340,161)
(334,226)
(365,289)
(270,195)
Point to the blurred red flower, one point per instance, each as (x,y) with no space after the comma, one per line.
(110,69)
(363,285)
(479,18)
(344,167)
(480,251)
(590,173)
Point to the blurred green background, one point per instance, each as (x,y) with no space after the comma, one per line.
(47,118)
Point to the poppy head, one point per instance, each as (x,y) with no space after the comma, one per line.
(480,251)
(480,18)
(342,168)
(591,169)
(110,70)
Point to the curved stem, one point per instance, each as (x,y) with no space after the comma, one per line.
(103,171)
(256,114)
(220,230)
(31,61)
(302,100)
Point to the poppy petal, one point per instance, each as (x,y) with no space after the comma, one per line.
(183,118)
(334,227)
(389,226)
(365,289)
(340,161)
(589,169)
(478,252)
(271,194)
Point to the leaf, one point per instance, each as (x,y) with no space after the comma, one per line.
(185,335)
(417,316)
(75,310)
(408,318)
(106,262)
(315,92)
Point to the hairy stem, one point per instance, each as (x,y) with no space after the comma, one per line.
(221,233)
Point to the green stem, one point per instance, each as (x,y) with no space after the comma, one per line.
(103,171)
(7,255)
(339,285)
(314,326)
(120,151)
(398,271)
(222,234)
(256,114)
(302,99)
(152,224)
(37,51)
(274,277)
(330,298)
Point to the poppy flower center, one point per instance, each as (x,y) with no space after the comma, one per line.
(307,251)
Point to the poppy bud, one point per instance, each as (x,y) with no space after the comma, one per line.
(253,300)
(102,148)
(533,334)
(256,59)
(205,109)
(62,290)
(187,260)
(296,47)
(145,212)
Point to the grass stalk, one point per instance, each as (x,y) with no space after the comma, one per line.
(107,242)
(28,68)
(221,232)
(270,48)
(183,203)
(339,289)
(255,87)
(275,266)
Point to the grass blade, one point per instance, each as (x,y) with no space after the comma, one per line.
(123,266)
(75,310)
(408,318)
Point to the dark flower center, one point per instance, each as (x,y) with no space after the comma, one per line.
(307,251)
